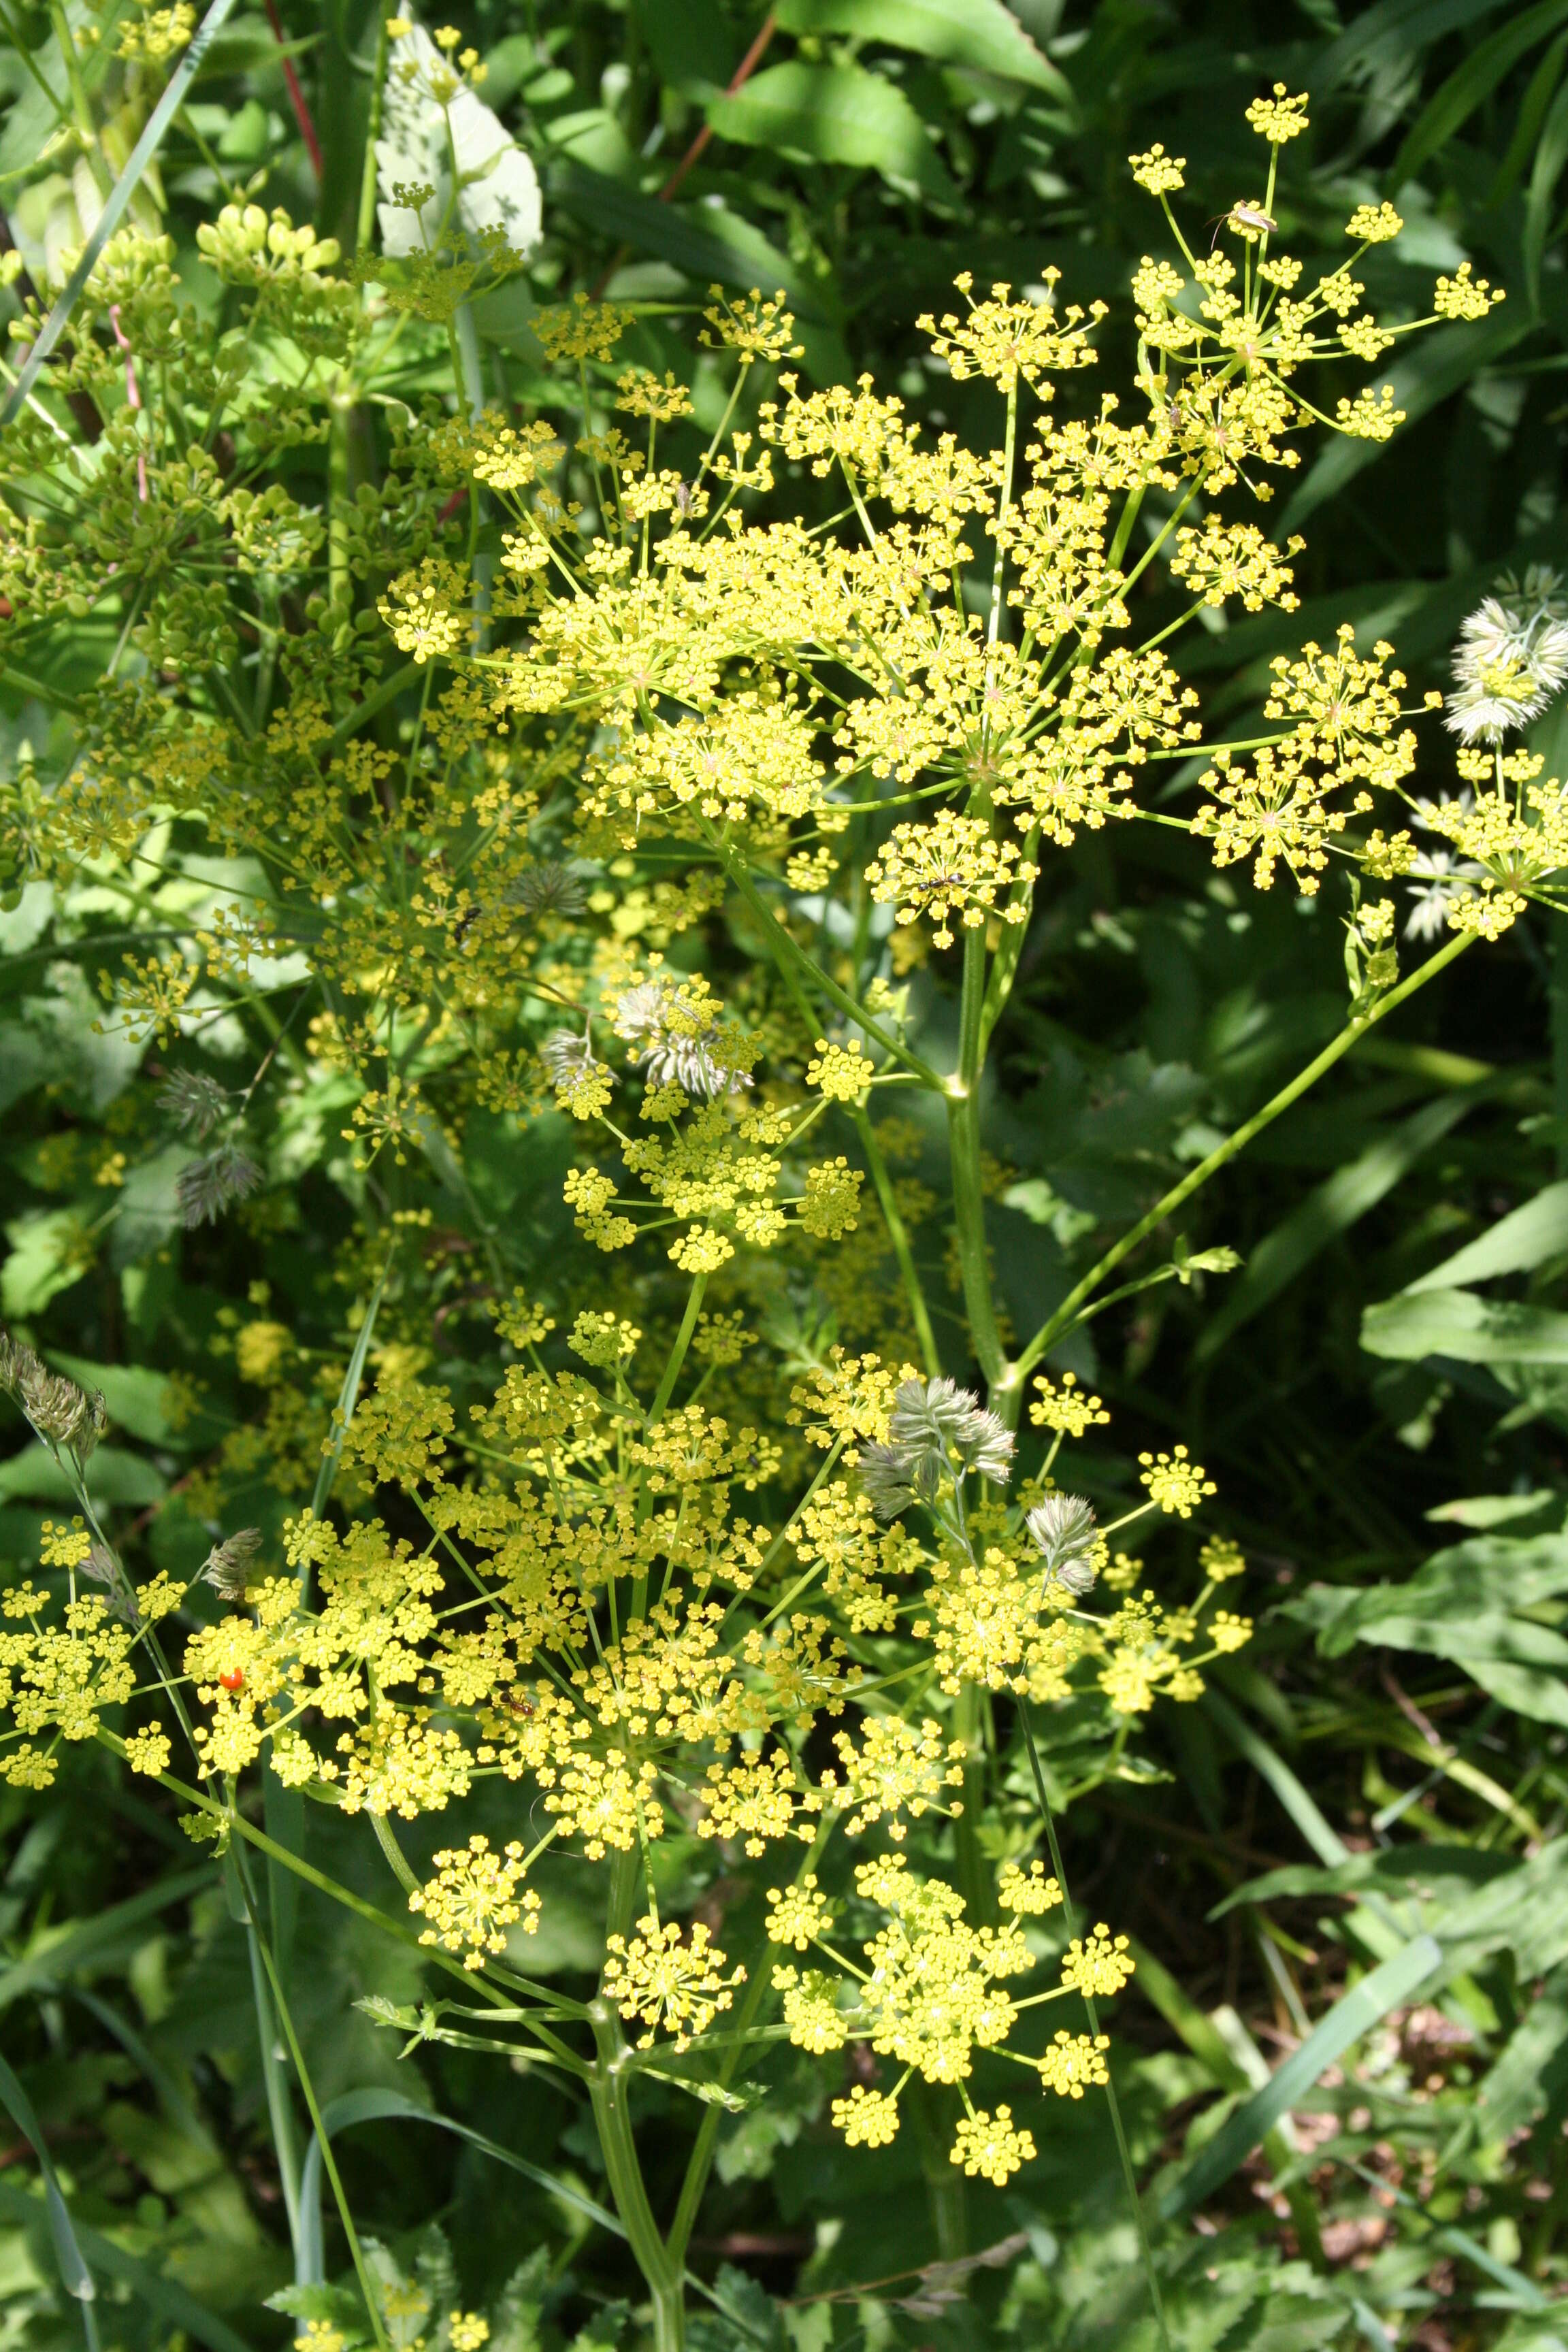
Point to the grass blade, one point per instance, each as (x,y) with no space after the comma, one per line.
(163,2295)
(113,212)
(75,2275)
(1392,1982)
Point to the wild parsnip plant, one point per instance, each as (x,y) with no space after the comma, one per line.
(818,1601)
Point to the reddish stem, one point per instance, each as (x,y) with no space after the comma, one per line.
(741,74)
(296,95)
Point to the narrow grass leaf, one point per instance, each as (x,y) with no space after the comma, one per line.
(50,1962)
(113,212)
(1331,1208)
(1469,85)
(1392,1981)
(75,2275)
(391,2106)
(166,2296)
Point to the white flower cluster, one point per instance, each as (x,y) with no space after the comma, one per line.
(1512,656)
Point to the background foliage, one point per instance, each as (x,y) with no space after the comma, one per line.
(1389,1757)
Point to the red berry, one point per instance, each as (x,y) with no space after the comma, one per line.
(234,1680)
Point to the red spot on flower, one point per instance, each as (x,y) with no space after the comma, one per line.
(234,1680)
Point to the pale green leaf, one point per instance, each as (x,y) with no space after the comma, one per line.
(1471,1329)
(835,114)
(981,34)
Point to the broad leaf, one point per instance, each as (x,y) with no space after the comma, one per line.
(981,34)
(1457,1323)
(835,114)
(1518,1243)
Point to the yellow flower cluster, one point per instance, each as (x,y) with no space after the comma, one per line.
(472,1900)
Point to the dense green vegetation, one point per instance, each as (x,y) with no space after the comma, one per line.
(286,921)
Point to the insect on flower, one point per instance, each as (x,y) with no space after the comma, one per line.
(234,1680)
(1247,220)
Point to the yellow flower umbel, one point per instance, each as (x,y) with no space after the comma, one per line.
(668,1985)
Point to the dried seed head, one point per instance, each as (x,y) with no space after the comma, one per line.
(57,1409)
(193,1101)
(891,1479)
(227,1566)
(550,888)
(16,1360)
(1063,1530)
(207,1187)
(938,1418)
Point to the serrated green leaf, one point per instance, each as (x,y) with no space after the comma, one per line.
(835,114)
(981,34)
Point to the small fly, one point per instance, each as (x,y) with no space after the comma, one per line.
(1245,220)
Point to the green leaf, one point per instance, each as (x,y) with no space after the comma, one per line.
(1272,1767)
(1551,156)
(1471,1329)
(136,1397)
(113,212)
(391,2106)
(1446,359)
(54,1958)
(113,1475)
(1469,84)
(980,34)
(1331,1210)
(1390,1983)
(46,1255)
(1464,1585)
(1516,1243)
(624,213)
(75,2275)
(835,114)
(166,2296)
(1389,39)
(690,44)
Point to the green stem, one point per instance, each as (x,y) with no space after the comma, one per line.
(609,2089)
(784,945)
(362,2271)
(369,1912)
(1125,2153)
(973,1879)
(678,1353)
(759,1984)
(365,224)
(964,1144)
(1051,1330)
(280,2112)
(898,1234)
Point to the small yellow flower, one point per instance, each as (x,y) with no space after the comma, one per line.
(1279,118)
(1098,1967)
(1174,1483)
(1072,2061)
(866,2118)
(990,2145)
